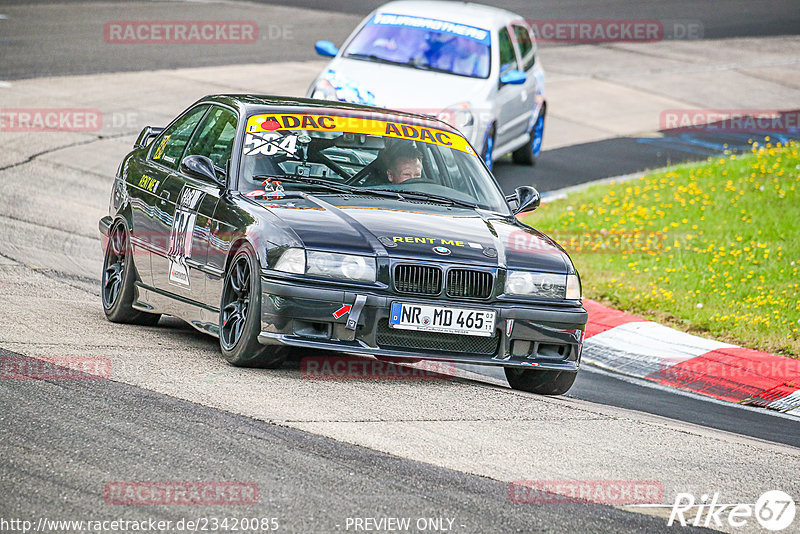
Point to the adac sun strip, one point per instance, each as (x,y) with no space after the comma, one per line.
(358,125)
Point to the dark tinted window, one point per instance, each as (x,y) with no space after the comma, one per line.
(168,148)
(214,138)
(525,45)
(508,58)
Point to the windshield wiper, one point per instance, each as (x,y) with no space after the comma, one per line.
(412,63)
(427,66)
(419,195)
(341,188)
(373,57)
(331,186)
(325,184)
(377,59)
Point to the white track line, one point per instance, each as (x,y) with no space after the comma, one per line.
(677,391)
(481,372)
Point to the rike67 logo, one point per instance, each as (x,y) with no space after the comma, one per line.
(774,510)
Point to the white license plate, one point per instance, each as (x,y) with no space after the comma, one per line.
(441,319)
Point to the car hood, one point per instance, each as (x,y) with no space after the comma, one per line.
(414,230)
(389,84)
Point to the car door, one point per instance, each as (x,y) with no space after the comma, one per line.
(196,201)
(151,193)
(511,99)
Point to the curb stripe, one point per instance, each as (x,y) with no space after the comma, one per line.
(774,398)
(603,318)
(789,403)
(643,348)
(732,374)
(628,344)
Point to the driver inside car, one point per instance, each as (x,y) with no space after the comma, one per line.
(404,164)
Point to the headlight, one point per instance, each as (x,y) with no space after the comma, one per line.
(573,287)
(542,285)
(293,260)
(458,116)
(324,90)
(347,266)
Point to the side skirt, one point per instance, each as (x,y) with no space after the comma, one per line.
(511,146)
(203,318)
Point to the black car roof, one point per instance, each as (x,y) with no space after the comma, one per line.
(251,104)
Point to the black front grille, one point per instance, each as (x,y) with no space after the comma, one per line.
(418,279)
(469,283)
(392,338)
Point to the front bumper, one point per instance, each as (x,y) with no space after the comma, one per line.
(531,336)
(104,225)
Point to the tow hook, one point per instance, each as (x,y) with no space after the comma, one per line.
(355,312)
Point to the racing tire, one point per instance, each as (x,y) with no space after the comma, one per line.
(540,381)
(240,315)
(117,288)
(488,149)
(529,152)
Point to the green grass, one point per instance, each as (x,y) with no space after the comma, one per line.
(711,248)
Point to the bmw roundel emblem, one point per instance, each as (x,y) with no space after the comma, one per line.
(444,251)
(387,241)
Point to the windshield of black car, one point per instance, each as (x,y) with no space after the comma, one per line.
(423,43)
(366,154)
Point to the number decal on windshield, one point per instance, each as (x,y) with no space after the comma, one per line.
(269,144)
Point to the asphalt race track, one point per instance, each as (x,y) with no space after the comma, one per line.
(73,46)
(308,482)
(57,39)
(323,453)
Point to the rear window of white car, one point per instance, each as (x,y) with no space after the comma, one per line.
(508,58)
(525,44)
(425,44)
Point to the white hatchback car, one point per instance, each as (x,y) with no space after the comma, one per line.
(470,65)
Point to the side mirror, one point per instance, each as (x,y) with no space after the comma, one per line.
(203,168)
(526,197)
(145,135)
(326,48)
(513,77)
